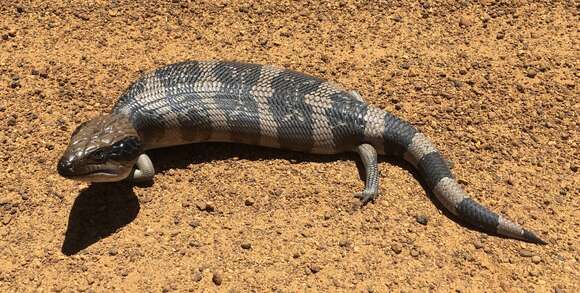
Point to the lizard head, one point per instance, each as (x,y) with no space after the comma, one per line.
(103,149)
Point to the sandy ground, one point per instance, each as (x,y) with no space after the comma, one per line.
(493,83)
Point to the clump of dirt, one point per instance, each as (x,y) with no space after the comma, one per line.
(493,83)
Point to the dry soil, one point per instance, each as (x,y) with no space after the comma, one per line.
(493,83)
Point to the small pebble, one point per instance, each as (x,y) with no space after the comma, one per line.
(6,220)
(205,206)
(469,257)
(249,202)
(149,231)
(574,168)
(197,276)
(397,18)
(405,65)
(43,73)
(525,253)
(534,273)
(536,259)
(194,243)
(124,272)
(565,136)
(217,278)
(327,215)
(344,243)
(314,268)
(531,73)
(246,245)
(396,248)
(414,253)
(194,223)
(421,219)
(478,244)
(146,199)
(15,84)
(113,251)
(24,195)
(500,35)
(465,21)
(201,206)
(83,16)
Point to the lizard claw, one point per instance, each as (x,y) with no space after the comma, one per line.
(366,196)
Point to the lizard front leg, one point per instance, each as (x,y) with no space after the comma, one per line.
(144,170)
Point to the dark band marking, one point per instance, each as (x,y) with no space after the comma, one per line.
(346,117)
(433,168)
(398,135)
(289,110)
(179,79)
(241,109)
(477,214)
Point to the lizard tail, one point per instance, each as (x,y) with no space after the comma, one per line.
(399,138)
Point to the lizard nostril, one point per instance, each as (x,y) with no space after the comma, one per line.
(65,168)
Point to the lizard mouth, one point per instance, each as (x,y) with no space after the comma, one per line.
(98,176)
(100,173)
(90,173)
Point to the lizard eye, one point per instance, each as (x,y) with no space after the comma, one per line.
(98,156)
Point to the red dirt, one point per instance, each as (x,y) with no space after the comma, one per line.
(493,83)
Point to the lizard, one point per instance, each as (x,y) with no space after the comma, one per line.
(224,101)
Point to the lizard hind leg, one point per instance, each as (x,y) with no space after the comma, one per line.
(368,156)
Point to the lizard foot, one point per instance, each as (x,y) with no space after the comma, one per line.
(366,196)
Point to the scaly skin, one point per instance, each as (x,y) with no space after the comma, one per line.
(193,102)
